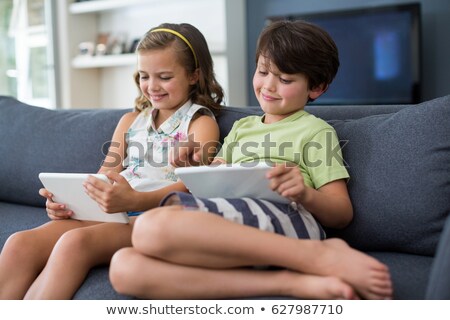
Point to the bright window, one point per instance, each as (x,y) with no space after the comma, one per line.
(28,32)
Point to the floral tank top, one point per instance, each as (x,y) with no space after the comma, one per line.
(146,165)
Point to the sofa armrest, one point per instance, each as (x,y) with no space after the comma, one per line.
(439,281)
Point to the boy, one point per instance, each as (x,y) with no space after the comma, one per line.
(210,243)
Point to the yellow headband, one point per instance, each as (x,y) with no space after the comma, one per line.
(179,35)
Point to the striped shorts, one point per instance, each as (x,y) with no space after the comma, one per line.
(290,220)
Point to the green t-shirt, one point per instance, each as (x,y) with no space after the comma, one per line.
(301,138)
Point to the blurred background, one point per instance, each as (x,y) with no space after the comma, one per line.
(80,54)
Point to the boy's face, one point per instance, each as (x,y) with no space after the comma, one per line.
(279,94)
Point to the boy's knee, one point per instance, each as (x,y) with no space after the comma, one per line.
(121,271)
(152,229)
(150,223)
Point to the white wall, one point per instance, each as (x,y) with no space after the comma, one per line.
(113,87)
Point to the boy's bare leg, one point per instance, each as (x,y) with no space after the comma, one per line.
(75,253)
(135,274)
(200,239)
(25,254)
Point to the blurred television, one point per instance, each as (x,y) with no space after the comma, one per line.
(379,52)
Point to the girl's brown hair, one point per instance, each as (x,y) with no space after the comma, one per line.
(207,91)
(300,47)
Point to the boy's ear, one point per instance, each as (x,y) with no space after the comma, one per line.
(194,76)
(317,91)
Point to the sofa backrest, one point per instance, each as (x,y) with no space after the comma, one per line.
(34,140)
(399,167)
(398,158)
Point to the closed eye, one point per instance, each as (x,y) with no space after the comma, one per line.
(285,81)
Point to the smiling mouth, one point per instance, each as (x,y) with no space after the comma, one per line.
(268,98)
(157,97)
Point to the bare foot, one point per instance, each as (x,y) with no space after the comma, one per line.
(307,286)
(369,277)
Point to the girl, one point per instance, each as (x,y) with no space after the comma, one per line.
(203,248)
(178,96)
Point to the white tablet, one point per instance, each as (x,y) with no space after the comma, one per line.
(229,181)
(67,188)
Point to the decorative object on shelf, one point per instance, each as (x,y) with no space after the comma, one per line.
(117,44)
(102,44)
(86,48)
(134,45)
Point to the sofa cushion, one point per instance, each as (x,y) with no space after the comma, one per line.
(35,140)
(410,284)
(228,115)
(30,217)
(399,166)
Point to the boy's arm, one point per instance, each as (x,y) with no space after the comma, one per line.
(194,152)
(330,204)
(200,146)
(329,201)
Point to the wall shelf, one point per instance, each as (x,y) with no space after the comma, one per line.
(84,62)
(118,60)
(102,5)
(100,77)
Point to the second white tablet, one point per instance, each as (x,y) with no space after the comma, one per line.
(229,181)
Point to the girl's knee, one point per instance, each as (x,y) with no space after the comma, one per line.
(19,244)
(73,243)
(172,200)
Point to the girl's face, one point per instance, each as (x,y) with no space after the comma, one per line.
(280,95)
(163,80)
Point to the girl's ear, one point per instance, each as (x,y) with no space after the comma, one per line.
(193,78)
(317,91)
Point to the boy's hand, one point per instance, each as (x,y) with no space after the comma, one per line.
(55,211)
(185,154)
(287,180)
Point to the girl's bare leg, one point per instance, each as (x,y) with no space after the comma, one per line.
(25,254)
(75,253)
(205,240)
(135,274)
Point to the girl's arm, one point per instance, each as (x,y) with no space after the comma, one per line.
(117,150)
(204,133)
(203,130)
(112,162)
(330,204)
(118,196)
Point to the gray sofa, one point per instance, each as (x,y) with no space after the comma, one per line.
(398,158)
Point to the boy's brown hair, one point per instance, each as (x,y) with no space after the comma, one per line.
(300,47)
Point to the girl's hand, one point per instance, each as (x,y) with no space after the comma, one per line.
(55,211)
(287,180)
(111,197)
